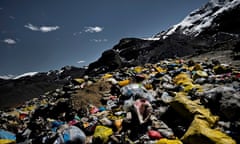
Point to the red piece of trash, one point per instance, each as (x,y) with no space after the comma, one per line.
(153,134)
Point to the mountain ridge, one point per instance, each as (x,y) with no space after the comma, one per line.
(221,32)
(206,17)
(28,86)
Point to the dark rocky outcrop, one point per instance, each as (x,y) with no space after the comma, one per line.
(132,51)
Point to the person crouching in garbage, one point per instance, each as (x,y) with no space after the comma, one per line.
(143,109)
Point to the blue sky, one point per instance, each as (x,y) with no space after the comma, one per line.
(43,35)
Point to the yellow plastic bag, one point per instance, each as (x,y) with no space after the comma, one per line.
(102,133)
(138,69)
(187,86)
(200,132)
(148,86)
(198,67)
(168,141)
(124,82)
(106,76)
(188,109)
(199,74)
(182,78)
(219,69)
(159,69)
(7,141)
(79,80)
(29,108)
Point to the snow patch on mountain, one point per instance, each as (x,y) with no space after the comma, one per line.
(200,19)
(26,74)
(7,77)
(151,39)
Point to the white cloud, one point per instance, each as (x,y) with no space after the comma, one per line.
(9,41)
(48,28)
(81,61)
(99,40)
(93,29)
(42,28)
(31,27)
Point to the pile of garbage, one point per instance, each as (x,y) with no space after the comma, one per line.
(170,102)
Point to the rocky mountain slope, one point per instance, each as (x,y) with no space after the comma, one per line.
(210,28)
(18,89)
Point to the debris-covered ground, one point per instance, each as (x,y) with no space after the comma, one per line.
(175,101)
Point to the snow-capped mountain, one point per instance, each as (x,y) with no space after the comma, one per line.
(26,74)
(214,26)
(203,18)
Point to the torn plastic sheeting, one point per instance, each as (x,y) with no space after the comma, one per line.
(188,109)
(136,91)
(70,134)
(200,132)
